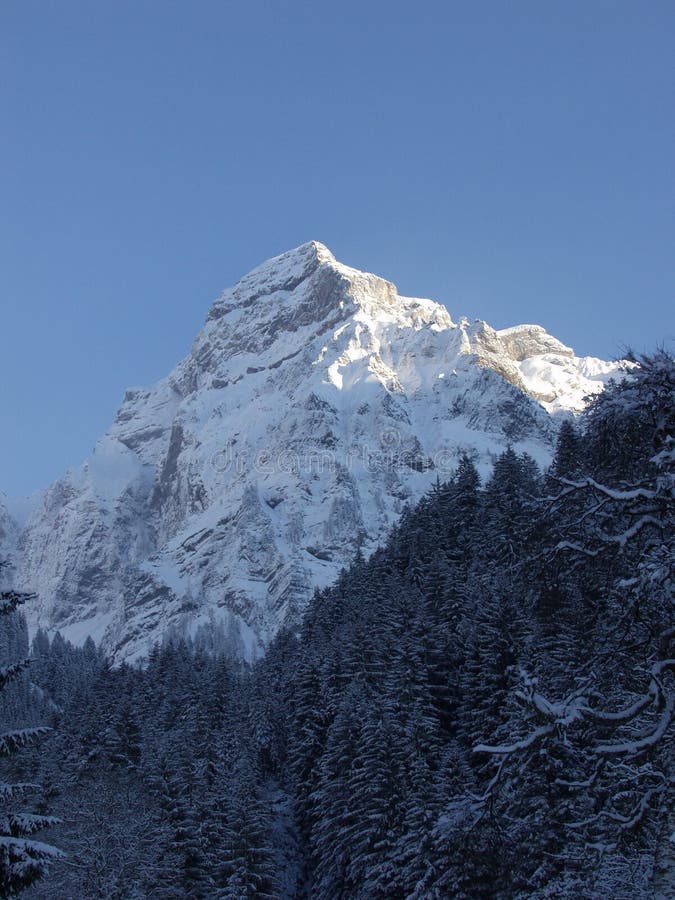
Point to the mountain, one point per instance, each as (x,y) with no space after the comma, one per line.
(314,404)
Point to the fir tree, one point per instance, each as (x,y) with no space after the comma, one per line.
(23,860)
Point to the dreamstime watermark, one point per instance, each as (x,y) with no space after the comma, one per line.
(393,452)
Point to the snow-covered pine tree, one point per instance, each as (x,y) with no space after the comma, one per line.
(568,457)
(598,746)
(22,858)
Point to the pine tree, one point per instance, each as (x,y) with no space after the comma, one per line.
(587,762)
(23,860)
(569,457)
(245,868)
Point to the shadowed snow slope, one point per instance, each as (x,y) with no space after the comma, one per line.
(313,405)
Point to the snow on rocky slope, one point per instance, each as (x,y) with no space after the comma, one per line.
(314,404)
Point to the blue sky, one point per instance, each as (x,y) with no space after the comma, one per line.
(513,160)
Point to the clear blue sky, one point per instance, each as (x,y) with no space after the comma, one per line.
(511,159)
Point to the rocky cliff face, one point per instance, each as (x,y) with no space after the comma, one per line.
(313,405)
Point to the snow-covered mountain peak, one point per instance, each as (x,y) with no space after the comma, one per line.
(310,278)
(314,403)
(277,277)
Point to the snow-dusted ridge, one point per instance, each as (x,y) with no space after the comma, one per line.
(312,406)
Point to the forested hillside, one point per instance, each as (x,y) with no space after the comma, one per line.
(481,709)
